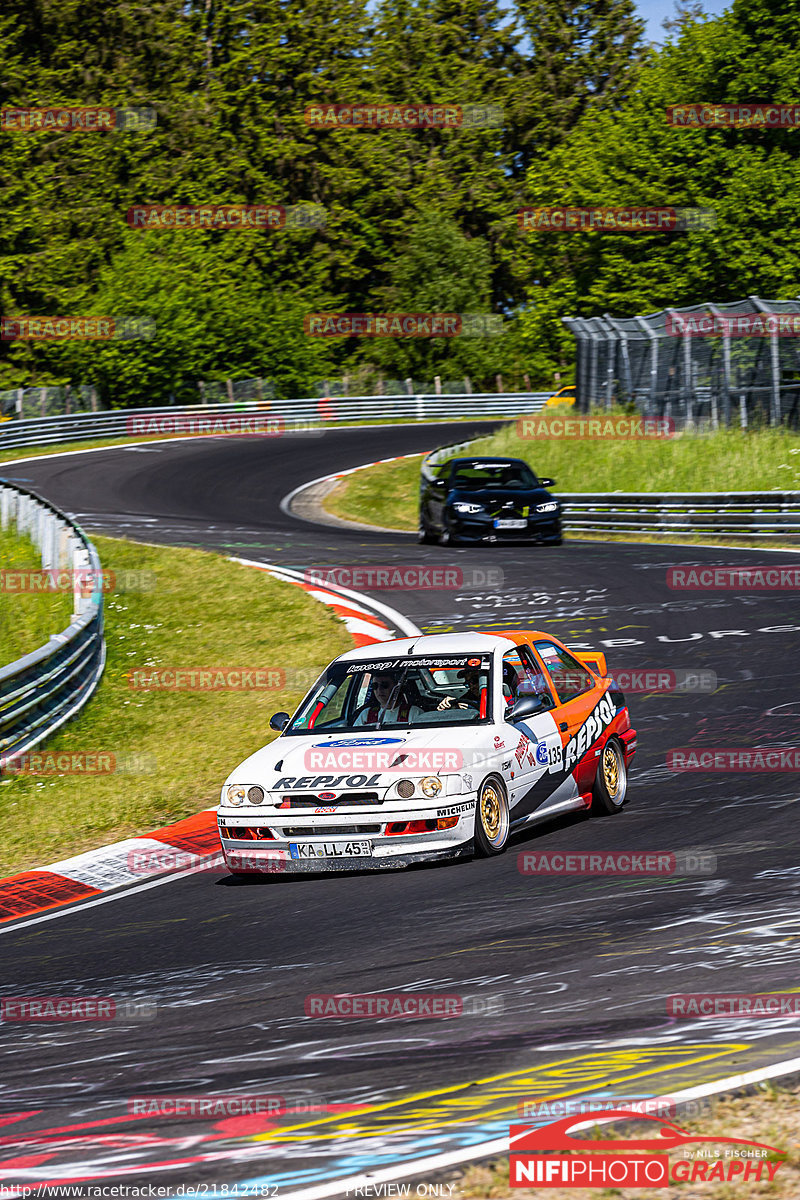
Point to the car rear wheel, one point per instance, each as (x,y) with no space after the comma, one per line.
(611,781)
(492,819)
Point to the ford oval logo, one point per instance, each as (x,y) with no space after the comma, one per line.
(326,795)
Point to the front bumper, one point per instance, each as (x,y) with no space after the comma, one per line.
(541,528)
(261,842)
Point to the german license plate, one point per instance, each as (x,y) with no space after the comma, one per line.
(510,523)
(306,850)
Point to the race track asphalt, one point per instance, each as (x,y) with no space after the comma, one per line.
(571,972)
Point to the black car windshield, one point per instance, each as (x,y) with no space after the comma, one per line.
(475,476)
(360,697)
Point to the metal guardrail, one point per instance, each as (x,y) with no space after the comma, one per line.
(295,414)
(43,689)
(739,514)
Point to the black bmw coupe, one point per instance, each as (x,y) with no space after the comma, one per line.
(470,500)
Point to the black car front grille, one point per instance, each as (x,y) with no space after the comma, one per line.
(304,831)
(347,798)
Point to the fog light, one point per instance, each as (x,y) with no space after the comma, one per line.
(255,795)
(405,789)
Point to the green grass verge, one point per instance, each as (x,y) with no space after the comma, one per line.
(201,612)
(27,619)
(727,460)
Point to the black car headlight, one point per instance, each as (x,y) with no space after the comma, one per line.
(551,506)
(463,506)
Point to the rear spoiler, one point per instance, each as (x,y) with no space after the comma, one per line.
(594,660)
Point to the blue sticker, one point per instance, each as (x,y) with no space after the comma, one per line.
(359,742)
(541,754)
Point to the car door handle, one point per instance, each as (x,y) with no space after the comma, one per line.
(563,726)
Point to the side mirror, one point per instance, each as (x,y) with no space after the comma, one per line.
(279,721)
(547,482)
(528,706)
(439,482)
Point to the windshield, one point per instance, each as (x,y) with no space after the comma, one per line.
(475,476)
(397,694)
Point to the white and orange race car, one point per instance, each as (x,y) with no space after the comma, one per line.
(429,748)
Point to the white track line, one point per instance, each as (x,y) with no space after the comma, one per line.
(402,623)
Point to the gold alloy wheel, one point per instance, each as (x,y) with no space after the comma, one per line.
(611,770)
(491,812)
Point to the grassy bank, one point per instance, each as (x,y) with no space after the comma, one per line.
(727,460)
(172,749)
(27,620)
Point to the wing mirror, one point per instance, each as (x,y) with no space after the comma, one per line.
(528,706)
(547,483)
(279,721)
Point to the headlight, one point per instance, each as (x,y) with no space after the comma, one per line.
(461,506)
(405,789)
(551,507)
(255,795)
(431,786)
(236,794)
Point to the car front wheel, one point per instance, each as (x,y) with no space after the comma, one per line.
(492,819)
(611,781)
(425,536)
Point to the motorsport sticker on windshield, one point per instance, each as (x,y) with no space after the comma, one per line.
(599,719)
(396,664)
